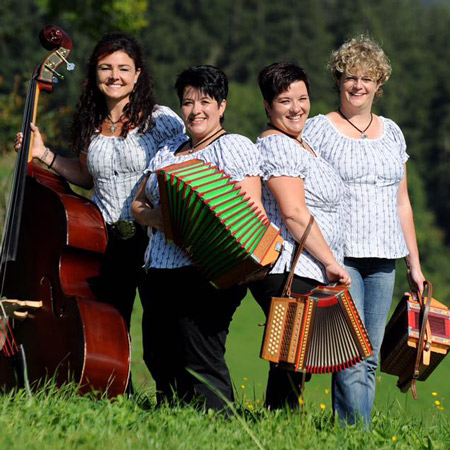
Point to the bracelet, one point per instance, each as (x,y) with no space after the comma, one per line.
(53,160)
(44,155)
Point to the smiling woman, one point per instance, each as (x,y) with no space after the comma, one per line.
(186,320)
(369,153)
(116,131)
(297,184)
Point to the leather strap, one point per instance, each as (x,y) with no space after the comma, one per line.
(424,343)
(301,244)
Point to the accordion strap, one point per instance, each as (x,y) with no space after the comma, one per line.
(424,343)
(300,246)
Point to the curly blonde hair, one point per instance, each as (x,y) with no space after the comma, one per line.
(360,53)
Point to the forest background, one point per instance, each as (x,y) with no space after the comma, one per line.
(241,37)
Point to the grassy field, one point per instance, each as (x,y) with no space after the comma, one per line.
(249,372)
(60,419)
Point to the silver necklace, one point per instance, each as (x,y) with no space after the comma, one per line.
(113,126)
(363,132)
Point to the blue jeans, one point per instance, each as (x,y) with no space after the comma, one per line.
(353,389)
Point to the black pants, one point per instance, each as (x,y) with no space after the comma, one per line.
(121,272)
(185,325)
(283,387)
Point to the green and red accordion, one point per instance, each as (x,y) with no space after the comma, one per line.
(205,213)
(319,332)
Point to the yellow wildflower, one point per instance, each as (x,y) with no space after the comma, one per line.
(434,394)
(322,406)
(437,402)
(250,406)
(326,391)
(301,401)
(242,386)
(394,438)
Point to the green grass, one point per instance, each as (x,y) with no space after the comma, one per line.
(60,419)
(63,420)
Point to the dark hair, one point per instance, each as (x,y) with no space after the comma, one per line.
(276,79)
(91,108)
(209,79)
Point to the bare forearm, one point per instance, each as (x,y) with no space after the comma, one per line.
(409,231)
(70,169)
(315,244)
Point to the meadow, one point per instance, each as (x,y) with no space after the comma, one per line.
(61,419)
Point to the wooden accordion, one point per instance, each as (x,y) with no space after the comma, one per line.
(319,332)
(205,213)
(408,352)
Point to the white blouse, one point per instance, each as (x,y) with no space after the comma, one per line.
(372,170)
(234,154)
(117,164)
(324,196)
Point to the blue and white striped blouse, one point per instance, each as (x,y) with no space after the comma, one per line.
(372,170)
(117,164)
(234,154)
(324,196)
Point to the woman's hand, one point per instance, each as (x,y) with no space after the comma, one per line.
(38,149)
(416,278)
(336,273)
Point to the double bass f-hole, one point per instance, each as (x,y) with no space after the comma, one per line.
(58,309)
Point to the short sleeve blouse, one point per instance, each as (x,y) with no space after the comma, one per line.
(372,170)
(117,163)
(324,197)
(234,154)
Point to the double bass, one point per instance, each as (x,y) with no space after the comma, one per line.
(51,325)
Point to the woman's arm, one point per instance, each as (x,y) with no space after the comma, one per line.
(289,193)
(252,187)
(75,171)
(407,222)
(142,210)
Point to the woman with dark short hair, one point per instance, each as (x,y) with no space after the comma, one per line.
(298,183)
(186,321)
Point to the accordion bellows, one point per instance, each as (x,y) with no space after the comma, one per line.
(320,332)
(205,213)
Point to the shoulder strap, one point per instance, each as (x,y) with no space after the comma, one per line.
(424,344)
(288,286)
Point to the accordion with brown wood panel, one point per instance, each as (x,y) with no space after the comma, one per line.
(320,332)
(206,214)
(416,340)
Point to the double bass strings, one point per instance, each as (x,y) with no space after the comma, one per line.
(12,222)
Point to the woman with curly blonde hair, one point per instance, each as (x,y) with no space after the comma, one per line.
(369,153)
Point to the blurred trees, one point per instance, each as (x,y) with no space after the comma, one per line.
(242,36)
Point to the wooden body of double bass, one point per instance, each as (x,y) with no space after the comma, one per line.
(72,337)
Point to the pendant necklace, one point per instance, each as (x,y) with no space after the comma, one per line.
(113,126)
(300,141)
(193,147)
(363,132)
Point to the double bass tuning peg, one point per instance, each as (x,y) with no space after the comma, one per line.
(70,66)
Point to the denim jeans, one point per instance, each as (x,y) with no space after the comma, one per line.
(353,389)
